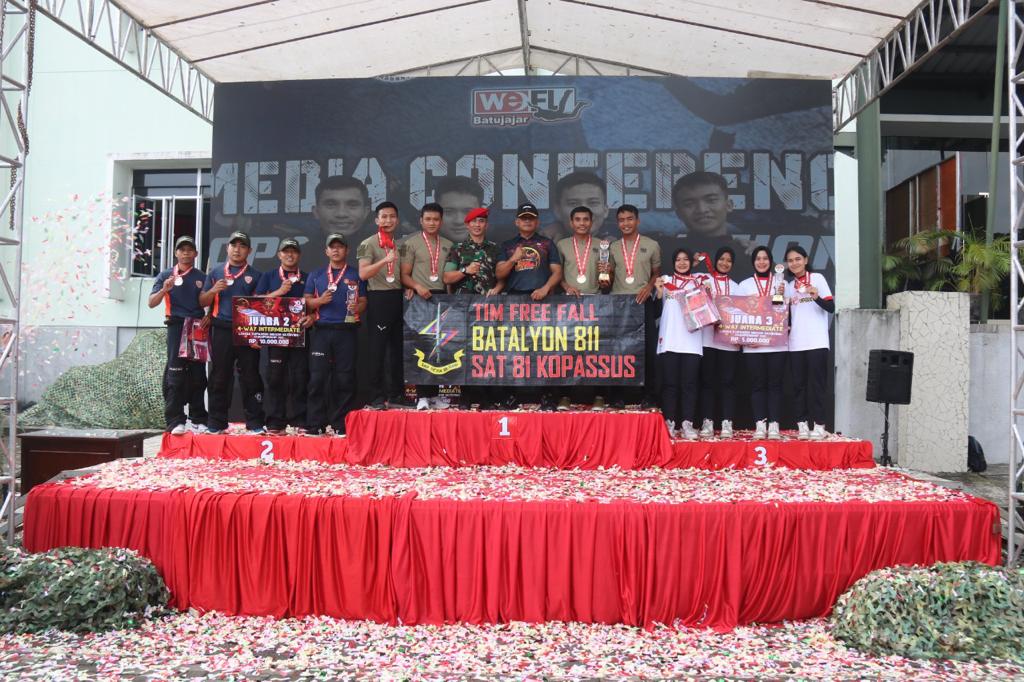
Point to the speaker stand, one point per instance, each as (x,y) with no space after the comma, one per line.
(886,459)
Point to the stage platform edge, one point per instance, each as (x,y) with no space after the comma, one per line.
(567,440)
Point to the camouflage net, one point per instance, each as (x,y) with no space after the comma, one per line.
(124,393)
(962,611)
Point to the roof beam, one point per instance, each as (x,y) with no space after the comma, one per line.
(524,32)
(118,35)
(933,24)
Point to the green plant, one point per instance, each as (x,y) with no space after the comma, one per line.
(972,266)
(78,589)
(962,611)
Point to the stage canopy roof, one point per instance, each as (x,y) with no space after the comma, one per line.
(186,47)
(232,40)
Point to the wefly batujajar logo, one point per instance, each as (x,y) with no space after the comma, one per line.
(509,107)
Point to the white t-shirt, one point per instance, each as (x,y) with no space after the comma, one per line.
(673,336)
(725,286)
(808,321)
(748,287)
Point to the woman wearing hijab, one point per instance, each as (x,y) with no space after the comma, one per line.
(765,364)
(718,366)
(810,304)
(679,350)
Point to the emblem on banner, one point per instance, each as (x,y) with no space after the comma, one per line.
(511,107)
(421,362)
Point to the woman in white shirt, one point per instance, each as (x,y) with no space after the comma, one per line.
(810,305)
(718,366)
(679,350)
(766,365)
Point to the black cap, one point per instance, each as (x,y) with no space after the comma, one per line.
(336,237)
(527,210)
(289,243)
(239,236)
(184,239)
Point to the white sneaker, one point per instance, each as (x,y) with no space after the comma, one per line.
(707,430)
(726,429)
(440,403)
(423,404)
(197,428)
(688,432)
(671,428)
(773,431)
(179,430)
(761,430)
(803,433)
(819,432)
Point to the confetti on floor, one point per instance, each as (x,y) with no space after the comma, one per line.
(213,646)
(765,485)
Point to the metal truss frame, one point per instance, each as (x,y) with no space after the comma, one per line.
(17,39)
(1015,87)
(925,31)
(118,35)
(500,62)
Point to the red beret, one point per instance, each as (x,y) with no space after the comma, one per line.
(474,214)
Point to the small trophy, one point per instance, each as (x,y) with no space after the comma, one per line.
(777,298)
(604,278)
(351,300)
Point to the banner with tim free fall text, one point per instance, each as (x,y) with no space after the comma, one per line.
(506,340)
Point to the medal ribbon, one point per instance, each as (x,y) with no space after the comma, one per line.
(680,281)
(630,258)
(763,291)
(721,283)
(283,273)
(331,281)
(435,254)
(804,279)
(178,273)
(227,272)
(581,266)
(387,242)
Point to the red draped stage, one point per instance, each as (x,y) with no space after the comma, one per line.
(402,558)
(587,440)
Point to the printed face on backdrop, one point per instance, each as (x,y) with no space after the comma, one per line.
(341,210)
(586,194)
(704,209)
(456,205)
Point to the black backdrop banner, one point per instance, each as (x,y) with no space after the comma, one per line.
(513,340)
(304,159)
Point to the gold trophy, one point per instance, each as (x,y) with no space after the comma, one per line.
(604,278)
(777,298)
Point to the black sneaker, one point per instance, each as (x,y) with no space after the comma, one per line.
(377,404)
(548,404)
(401,402)
(510,403)
(618,404)
(648,404)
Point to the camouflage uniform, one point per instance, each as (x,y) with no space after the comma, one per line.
(464,253)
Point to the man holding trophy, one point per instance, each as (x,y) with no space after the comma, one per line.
(581,255)
(336,299)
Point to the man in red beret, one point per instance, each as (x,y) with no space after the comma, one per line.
(470,269)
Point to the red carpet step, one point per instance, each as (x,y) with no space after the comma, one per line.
(567,440)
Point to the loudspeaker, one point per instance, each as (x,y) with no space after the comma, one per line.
(889,376)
